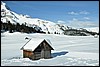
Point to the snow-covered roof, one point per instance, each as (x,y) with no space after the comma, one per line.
(33,43)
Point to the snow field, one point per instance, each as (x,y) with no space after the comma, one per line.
(68,50)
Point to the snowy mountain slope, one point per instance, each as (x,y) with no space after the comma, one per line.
(47,26)
(93,29)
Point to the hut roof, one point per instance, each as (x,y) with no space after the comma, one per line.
(33,43)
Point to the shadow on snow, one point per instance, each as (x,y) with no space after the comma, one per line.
(58,54)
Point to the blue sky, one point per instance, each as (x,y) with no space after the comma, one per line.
(69,12)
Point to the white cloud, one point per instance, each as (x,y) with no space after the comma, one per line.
(84,12)
(78,13)
(74,19)
(81,24)
(60,21)
(73,13)
(86,18)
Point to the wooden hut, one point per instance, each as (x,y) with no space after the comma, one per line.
(37,48)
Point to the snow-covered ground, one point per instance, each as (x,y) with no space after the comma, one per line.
(68,50)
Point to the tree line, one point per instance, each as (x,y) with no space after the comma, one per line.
(82,32)
(19,28)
